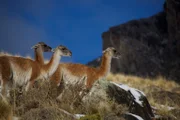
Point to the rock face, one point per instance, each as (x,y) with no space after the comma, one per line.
(172,8)
(142,44)
(149,47)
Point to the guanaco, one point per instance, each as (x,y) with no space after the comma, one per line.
(39,48)
(69,72)
(18,71)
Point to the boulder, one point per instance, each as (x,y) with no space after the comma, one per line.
(172,8)
(103,93)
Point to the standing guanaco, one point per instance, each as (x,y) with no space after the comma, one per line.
(39,48)
(6,112)
(18,71)
(69,72)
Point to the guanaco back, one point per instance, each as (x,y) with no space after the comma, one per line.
(70,72)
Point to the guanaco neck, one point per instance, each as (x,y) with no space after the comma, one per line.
(52,65)
(105,66)
(39,55)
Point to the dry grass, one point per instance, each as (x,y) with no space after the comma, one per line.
(39,97)
(40,102)
(5,110)
(159,92)
(72,102)
(144,84)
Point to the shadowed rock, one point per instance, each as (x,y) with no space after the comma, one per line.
(104,92)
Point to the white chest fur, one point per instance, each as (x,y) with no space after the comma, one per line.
(20,76)
(53,67)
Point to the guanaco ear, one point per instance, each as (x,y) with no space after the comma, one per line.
(52,50)
(107,49)
(103,51)
(35,46)
(38,44)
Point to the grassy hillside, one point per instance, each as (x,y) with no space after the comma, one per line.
(40,102)
(163,94)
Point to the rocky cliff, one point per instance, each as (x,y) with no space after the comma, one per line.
(172,9)
(149,46)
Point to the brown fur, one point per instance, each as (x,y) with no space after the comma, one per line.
(33,69)
(81,70)
(23,63)
(38,56)
(39,48)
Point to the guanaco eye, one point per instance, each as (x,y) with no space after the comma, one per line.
(45,45)
(63,48)
(115,51)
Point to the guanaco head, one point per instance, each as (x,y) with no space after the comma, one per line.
(62,50)
(44,47)
(111,51)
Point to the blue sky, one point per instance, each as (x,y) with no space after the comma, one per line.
(77,24)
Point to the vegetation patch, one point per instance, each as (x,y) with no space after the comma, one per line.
(40,101)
